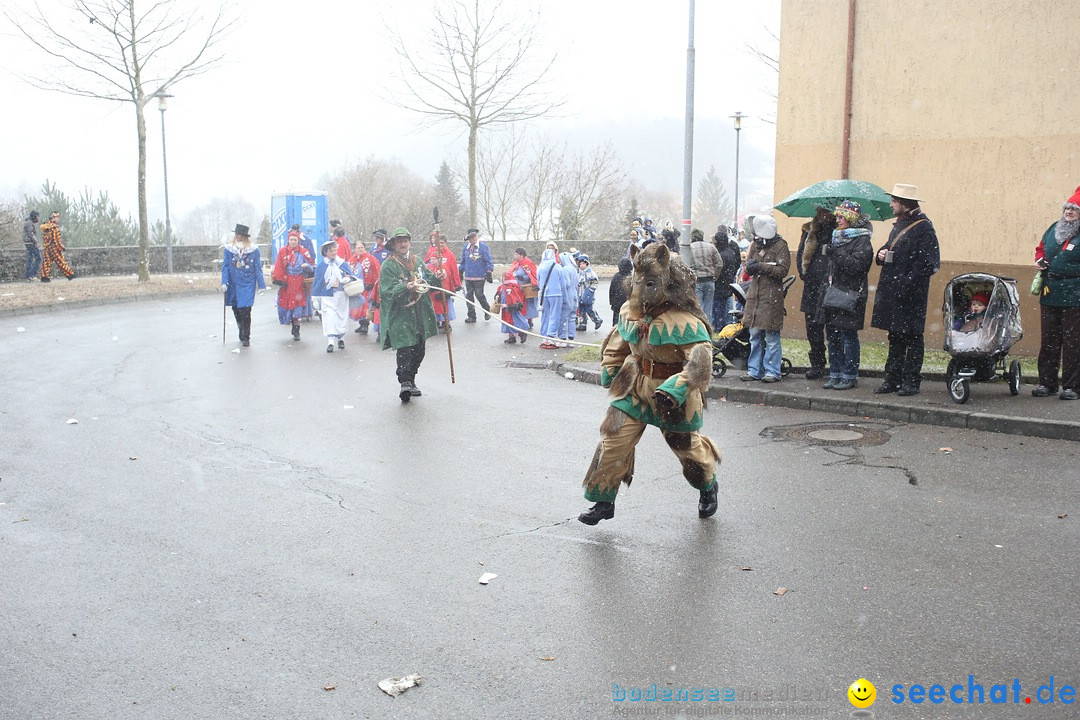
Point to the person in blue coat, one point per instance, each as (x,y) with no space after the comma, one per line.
(475,267)
(241,274)
(549,278)
(570,296)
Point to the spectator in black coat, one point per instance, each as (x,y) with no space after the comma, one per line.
(813,269)
(907,261)
(723,303)
(620,288)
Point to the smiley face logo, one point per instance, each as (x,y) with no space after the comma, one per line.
(862,693)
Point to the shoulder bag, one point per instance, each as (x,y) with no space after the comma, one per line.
(836,298)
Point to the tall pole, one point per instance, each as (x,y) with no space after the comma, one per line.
(688,146)
(165,167)
(738,116)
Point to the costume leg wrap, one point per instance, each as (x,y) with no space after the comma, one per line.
(698,455)
(613,461)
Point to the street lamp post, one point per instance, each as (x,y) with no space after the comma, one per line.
(738,116)
(161,97)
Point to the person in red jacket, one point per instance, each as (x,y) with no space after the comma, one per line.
(293,264)
(368,266)
(440,257)
(510,296)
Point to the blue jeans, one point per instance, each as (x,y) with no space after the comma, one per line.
(844,352)
(764,346)
(704,289)
(33,261)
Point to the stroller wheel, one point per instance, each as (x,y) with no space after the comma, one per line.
(785,367)
(959,390)
(719,367)
(1014,377)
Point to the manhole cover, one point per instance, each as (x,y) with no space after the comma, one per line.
(835,433)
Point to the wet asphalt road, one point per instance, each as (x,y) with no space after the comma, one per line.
(222,535)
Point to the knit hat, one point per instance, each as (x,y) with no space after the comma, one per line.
(1074,199)
(696,235)
(982,297)
(764,227)
(849,210)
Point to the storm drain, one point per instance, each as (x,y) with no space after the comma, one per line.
(833,434)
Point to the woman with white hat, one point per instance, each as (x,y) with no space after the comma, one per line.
(331,274)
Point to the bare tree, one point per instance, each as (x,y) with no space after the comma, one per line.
(499,166)
(109,50)
(210,222)
(770,58)
(539,188)
(381,194)
(590,187)
(475,67)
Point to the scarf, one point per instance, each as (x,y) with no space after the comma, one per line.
(843,237)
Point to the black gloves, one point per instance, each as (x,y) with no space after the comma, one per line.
(752,267)
(489,278)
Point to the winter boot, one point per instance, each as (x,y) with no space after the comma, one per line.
(295,332)
(406,391)
(601,511)
(706,506)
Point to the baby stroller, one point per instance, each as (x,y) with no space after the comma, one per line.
(978,346)
(733,341)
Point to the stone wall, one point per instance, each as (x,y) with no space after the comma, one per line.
(118,260)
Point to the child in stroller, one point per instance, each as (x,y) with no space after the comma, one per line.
(733,340)
(980,338)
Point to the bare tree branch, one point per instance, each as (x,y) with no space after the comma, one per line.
(476,68)
(109,50)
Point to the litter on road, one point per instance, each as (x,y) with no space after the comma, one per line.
(395,686)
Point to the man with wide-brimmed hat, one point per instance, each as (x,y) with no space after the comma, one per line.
(475,268)
(408,318)
(907,260)
(241,274)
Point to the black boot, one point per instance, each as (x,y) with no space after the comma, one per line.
(295,332)
(706,506)
(413,390)
(599,511)
(406,391)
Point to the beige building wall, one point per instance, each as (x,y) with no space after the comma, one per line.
(975,103)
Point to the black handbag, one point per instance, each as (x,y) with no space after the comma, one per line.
(839,299)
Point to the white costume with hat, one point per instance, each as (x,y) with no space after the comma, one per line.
(330,276)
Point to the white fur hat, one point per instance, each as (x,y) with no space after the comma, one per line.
(764,227)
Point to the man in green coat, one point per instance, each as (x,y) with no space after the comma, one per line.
(408,318)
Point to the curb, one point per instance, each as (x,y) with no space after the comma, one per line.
(94,302)
(942,417)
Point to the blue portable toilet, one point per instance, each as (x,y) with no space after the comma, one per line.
(306,208)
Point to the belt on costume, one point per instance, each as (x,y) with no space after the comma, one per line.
(659,370)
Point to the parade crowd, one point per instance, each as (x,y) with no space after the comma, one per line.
(738,287)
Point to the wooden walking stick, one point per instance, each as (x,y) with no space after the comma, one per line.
(446,299)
